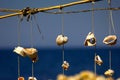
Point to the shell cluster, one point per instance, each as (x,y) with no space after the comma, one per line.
(30,52)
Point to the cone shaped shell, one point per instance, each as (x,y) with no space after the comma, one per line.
(90,40)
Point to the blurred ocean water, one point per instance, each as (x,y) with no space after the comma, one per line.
(50,61)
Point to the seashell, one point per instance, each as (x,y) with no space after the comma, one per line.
(109,72)
(32,78)
(98,60)
(32,53)
(65,65)
(110,40)
(19,50)
(61,40)
(65,39)
(21,78)
(90,40)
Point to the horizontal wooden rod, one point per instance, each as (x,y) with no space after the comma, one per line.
(10,15)
(66,5)
(36,10)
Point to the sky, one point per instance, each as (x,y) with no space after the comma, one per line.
(76,25)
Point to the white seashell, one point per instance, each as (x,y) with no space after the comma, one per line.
(65,39)
(21,78)
(19,50)
(65,65)
(109,72)
(61,40)
(32,78)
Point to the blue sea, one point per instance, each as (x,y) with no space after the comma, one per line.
(50,60)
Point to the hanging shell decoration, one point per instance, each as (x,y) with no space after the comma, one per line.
(61,40)
(109,73)
(90,40)
(19,50)
(98,60)
(30,52)
(32,78)
(110,40)
(21,78)
(65,65)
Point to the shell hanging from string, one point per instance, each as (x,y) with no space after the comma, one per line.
(65,65)
(61,40)
(30,52)
(98,60)
(110,40)
(90,40)
(32,78)
(109,73)
(21,78)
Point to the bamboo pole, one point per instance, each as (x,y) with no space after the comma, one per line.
(66,5)
(10,15)
(36,10)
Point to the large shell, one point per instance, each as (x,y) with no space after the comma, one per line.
(61,40)
(110,40)
(90,40)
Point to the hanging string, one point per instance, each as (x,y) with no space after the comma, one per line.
(95,70)
(38,27)
(111,22)
(93,16)
(62,22)
(31,32)
(111,26)
(32,69)
(63,56)
(18,30)
(110,58)
(18,66)
(31,38)
(62,28)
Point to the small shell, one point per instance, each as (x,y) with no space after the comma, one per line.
(21,78)
(109,72)
(32,78)
(19,50)
(98,60)
(65,65)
